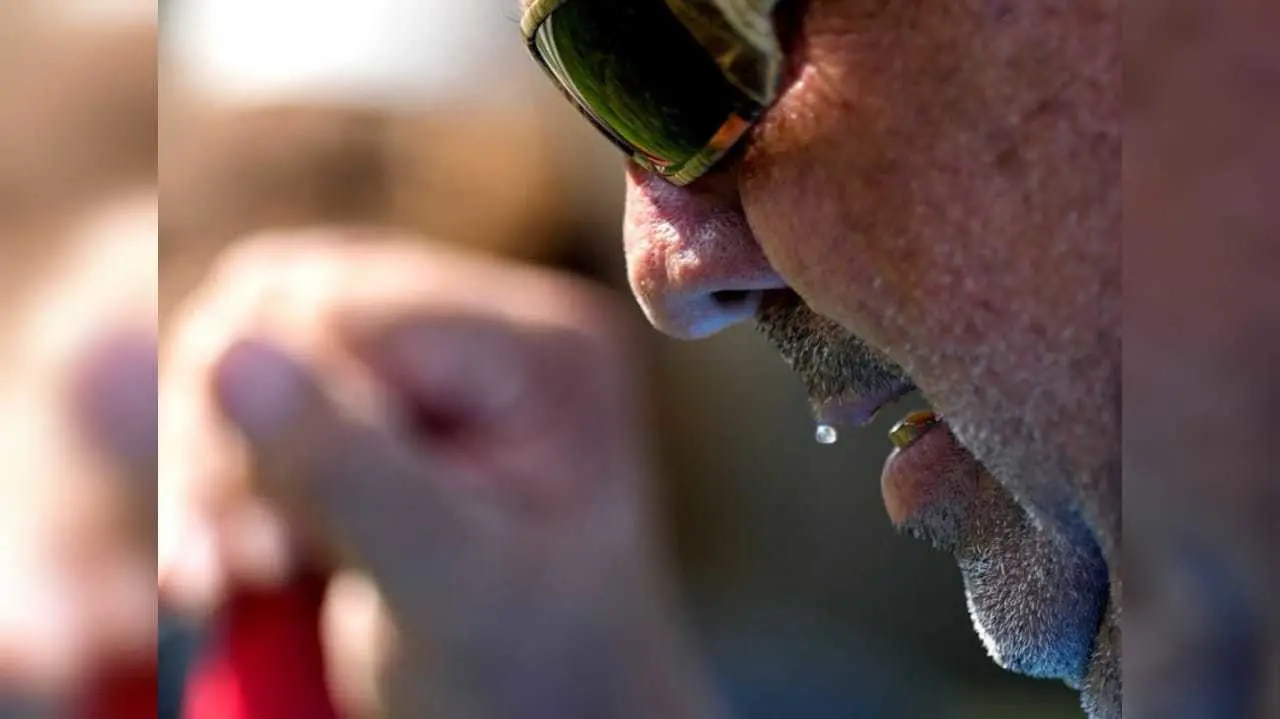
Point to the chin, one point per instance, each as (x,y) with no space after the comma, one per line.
(1037,595)
(1038,618)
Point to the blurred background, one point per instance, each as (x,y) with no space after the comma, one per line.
(426,114)
(77,356)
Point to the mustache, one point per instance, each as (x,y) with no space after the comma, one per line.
(831,361)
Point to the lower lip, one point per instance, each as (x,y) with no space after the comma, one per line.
(917,477)
(856,411)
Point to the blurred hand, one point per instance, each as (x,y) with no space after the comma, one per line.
(78,433)
(459,438)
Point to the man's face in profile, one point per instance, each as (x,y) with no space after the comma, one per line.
(933,202)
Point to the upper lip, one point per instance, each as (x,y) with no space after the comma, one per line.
(857,410)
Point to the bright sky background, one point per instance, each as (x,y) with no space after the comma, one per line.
(355,51)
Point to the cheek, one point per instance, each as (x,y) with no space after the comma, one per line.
(795,213)
(831,209)
(925,191)
(836,181)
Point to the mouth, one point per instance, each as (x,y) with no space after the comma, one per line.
(1036,597)
(848,381)
(858,410)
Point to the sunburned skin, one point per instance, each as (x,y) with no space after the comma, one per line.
(934,200)
(941,208)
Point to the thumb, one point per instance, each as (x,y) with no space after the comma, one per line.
(359,484)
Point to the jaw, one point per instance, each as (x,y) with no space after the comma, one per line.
(1037,603)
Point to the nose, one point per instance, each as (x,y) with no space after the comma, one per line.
(692,260)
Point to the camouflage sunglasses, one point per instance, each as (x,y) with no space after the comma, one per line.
(674,83)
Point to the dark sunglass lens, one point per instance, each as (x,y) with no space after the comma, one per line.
(636,68)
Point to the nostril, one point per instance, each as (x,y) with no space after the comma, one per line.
(730,298)
(702,314)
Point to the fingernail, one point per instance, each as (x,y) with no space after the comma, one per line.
(911,428)
(259,546)
(261,389)
(194,573)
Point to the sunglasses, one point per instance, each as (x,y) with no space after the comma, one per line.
(674,83)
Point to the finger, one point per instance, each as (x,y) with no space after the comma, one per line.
(191,573)
(452,374)
(501,407)
(360,488)
(214,533)
(360,641)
